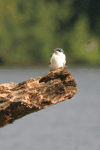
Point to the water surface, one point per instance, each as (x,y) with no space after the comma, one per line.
(70,125)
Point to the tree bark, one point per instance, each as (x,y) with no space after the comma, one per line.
(18,100)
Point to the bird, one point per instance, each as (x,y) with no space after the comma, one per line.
(57,60)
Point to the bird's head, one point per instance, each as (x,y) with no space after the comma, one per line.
(57,50)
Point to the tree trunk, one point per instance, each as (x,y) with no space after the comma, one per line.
(18,100)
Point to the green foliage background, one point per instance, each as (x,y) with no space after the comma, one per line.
(31,29)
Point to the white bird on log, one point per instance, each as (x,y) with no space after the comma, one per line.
(57,60)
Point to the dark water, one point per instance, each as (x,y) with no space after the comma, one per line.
(70,125)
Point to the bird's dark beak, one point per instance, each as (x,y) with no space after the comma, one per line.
(54,50)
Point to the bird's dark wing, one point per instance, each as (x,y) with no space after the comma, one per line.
(50,59)
(65,59)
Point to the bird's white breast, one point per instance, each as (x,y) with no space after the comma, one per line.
(57,61)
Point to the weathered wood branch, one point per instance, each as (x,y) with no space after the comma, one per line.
(18,100)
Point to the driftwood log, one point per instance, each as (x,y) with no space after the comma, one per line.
(18,100)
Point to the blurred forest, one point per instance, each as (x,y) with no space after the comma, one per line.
(31,29)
